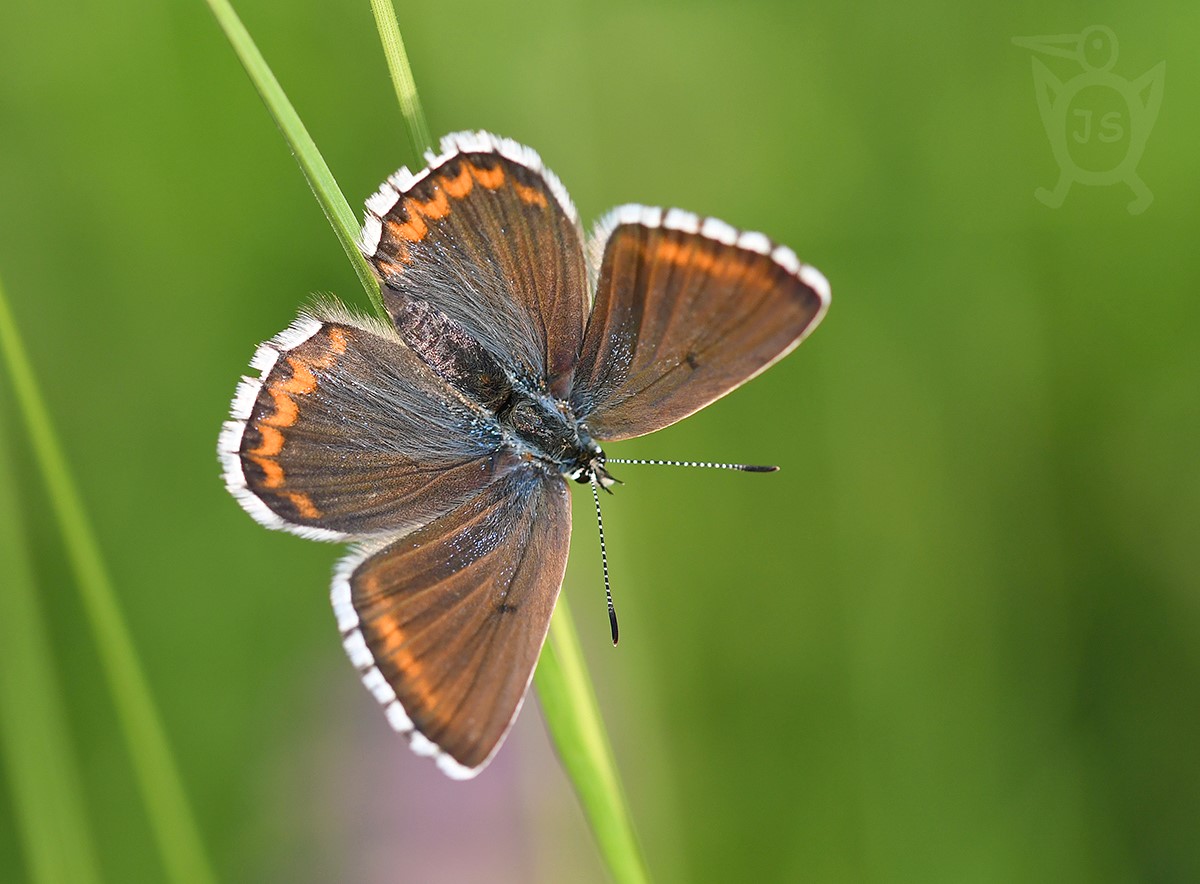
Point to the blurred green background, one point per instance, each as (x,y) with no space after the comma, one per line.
(956,638)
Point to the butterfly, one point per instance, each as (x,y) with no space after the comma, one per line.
(440,443)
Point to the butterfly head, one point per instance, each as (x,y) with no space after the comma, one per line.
(589,466)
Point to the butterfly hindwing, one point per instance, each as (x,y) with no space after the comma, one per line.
(686,310)
(348,434)
(446,624)
(487,236)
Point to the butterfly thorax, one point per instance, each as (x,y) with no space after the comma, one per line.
(545,428)
(533,423)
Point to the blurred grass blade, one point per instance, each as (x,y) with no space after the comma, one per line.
(569,707)
(402,76)
(564,689)
(320,179)
(154,768)
(35,739)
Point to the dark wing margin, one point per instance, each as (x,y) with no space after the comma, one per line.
(686,310)
(346,434)
(445,626)
(488,236)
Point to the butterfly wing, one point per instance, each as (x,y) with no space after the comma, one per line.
(348,434)
(489,237)
(686,310)
(446,624)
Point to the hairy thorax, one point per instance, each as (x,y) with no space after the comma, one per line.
(534,423)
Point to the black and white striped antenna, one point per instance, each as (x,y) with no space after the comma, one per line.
(612,611)
(741,467)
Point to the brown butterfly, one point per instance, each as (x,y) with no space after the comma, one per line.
(441,443)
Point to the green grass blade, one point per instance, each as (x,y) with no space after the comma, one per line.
(320,179)
(35,737)
(402,77)
(154,767)
(569,706)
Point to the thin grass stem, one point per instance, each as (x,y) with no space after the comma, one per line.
(569,706)
(35,739)
(312,164)
(154,767)
(402,76)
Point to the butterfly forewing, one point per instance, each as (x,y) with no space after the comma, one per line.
(487,236)
(348,434)
(446,624)
(685,311)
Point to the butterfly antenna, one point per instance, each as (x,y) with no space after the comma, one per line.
(740,467)
(612,611)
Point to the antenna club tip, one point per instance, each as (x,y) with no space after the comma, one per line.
(765,468)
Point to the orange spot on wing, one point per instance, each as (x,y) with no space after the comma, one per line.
(412,230)
(286,410)
(387,629)
(703,257)
(530,195)
(672,252)
(273,472)
(271,444)
(489,178)
(458,186)
(730,265)
(436,208)
(414,682)
(416,685)
(302,381)
(303,503)
(388,644)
